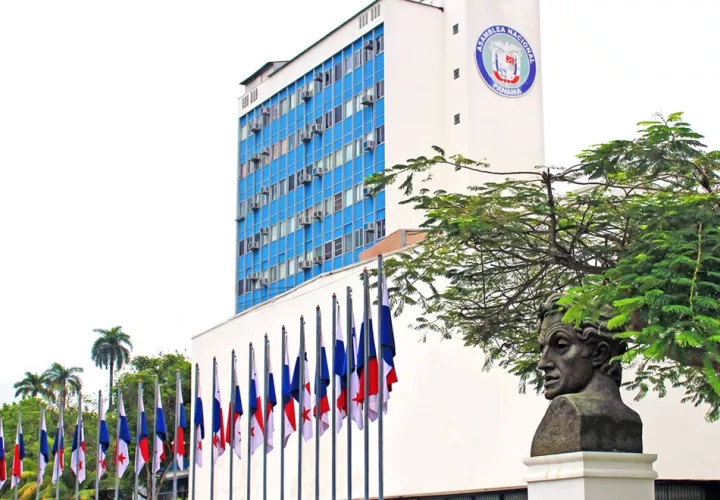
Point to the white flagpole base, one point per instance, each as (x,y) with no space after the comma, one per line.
(591,476)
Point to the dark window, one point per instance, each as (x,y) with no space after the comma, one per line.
(241,287)
(380,43)
(457,119)
(456,74)
(291,182)
(338,71)
(380,134)
(379,89)
(241,248)
(358,238)
(367,53)
(328,77)
(338,202)
(328,119)
(328,250)
(338,114)
(456,29)
(348,242)
(338,247)
(380,228)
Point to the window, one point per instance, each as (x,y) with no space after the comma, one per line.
(338,157)
(348,108)
(358,192)
(358,238)
(380,43)
(284,107)
(338,71)
(282,270)
(284,146)
(243,170)
(338,247)
(328,250)
(291,267)
(241,248)
(243,132)
(282,187)
(358,105)
(241,287)
(357,59)
(245,101)
(266,159)
(348,64)
(328,77)
(348,242)
(368,52)
(328,119)
(380,228)
(281,229)
(273,274)
(358,147)
(274,111)
(273,192)
(293,100)
(456,73)
(328,162)
(328,208)
(348,197)
(291,182)
(338,202)
(275,151)
(273,232)
(369,238)
(348,151)
(380,134)
(291,141)
(338,114)
(456,119)
(456,29)
(264,239)
(291,224)
(379,89)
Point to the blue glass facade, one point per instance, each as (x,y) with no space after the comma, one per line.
(303,156)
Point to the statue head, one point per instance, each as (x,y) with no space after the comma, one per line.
(573,356)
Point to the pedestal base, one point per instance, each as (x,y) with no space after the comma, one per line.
(591,475)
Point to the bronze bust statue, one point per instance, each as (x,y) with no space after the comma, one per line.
(586,412)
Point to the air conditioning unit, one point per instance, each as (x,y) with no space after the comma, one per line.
(265,111)
(304,220)
(318,260)
(264,231)
(255,157)
(369,145)
(254,245)
(254,276)
(264,282)
(369,227)
(305,264)
(369,45)
(240,216)
(318,215)
(367,99)
(254,205)
(319,76)
(265,190)
(318,171)
(305,95)
(255,126)
(317,128)
(266,151)
(367,193)
(305,136)
(305,179)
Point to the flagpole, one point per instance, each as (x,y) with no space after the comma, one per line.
(17,433)
(178,388)
(366,380)
(193,432)
(212,449)
(97,449)
(282,419)
(301,400)
(154,448)
(333,405)
(117,440)
(348,384)
(138,429)
(318,330)
(61,435)
(80,439)
(381,380)
(42,418)
(231,420)
(249,428)
(265,416)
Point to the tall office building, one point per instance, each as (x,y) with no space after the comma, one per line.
(385,86)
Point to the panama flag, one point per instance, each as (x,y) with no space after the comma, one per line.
(218,438)
(322,405)
(287,399)
(233,436)
(160,433)
(387,343)
(339,371)
(355,403)
(199,423)
(104,443)
(372,371)
(255,411)
(3,461)
(307,431)
(142,454)
(122,447)
(43,450)
(18,456)
(77,458)
(179,446)
(58,451)
(270,408)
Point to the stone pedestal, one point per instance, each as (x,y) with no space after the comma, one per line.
(590,475)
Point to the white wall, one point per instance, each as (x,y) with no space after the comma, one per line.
(450,425)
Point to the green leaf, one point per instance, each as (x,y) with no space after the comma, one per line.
(618,321)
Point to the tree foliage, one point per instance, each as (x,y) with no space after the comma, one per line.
(111,350)
(630,235)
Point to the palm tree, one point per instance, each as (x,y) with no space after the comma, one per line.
(111,350)
(33,385)
(62,378)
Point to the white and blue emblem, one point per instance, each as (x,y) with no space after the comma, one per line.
(505,61)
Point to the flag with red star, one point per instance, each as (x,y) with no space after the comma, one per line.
(350,364)
(306,424)
(179,444)
(233,436)
(287,398)
(372,370)
(322,405)
(3,462)
(199,423)
(103,441)
(58,451)
(18,456)
(339,371)
(270,407)
(77,458)
(255,409)
(122,445)
(218,437)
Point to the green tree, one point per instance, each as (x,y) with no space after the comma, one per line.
(64,378)
(111,350)
(33,385)
(630,235)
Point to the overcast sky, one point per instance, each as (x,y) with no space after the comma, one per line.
(118,128)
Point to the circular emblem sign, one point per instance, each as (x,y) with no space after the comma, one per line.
(505,61)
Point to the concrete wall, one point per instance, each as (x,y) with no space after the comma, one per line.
(450,425)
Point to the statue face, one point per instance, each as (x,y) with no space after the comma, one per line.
(566,370)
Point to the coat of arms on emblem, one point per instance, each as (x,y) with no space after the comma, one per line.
(506,62)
